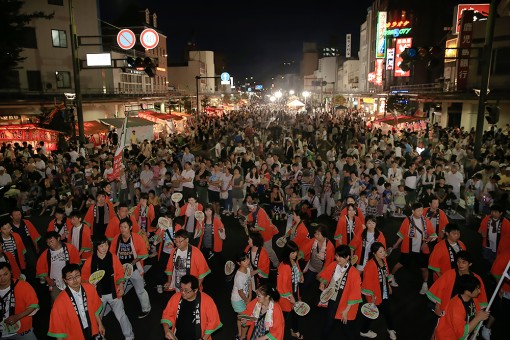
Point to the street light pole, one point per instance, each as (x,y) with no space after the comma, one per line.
(76,74)
(197,78)
(485,68)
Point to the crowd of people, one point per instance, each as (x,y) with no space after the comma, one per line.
(321,182)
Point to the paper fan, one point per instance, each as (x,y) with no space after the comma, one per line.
(229,268)
(96,276)
(301,308)
(370,310)
(176,197)
(327,294)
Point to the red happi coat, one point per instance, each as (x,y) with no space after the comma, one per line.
(404,231)
(151,215)
(371,285)
(51,225)
(453,325)
(25,297)
(199,266)
(65,323)
(43,266)
(357,244)
(277,331)
(441,291)
(217,225)
(85,241)
(284,285)
(498,268)
(160,237)
(299,236)
(113,227)
(359,214)
(34,234)
(182,212)
(118,272)
(89,216)
(263,265)
(264,225)
(439,261)
(341,235)
(140,248)
(19,255)
(330,252)
(503,241)
(443,219)
(351,294)
(209,316)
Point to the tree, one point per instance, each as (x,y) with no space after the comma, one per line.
(13,25)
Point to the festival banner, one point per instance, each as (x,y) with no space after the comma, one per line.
(119,153)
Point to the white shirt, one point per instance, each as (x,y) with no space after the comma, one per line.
(5,179)
(81,308)
(416,240)
(492,238)
(187,174)
(76,236)
(363,261)
(241,282)
(4,293)
(58,261)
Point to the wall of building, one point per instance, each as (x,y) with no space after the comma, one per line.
(206,60)
(49,59)
(363,58)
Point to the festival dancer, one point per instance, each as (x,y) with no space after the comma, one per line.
(113,227)
(348,226)
(446,286)
(75,313)
(415,233)
(443,256)
(436,216)
(185,259)
(462,314)
(270,322)
(259,221)
(259,260)
(111,287)
(343,305)
(20,303)
(53,259)
(80,236)
(362,242)
(190,313)
(99,214)
(61,224)
(377,289)
(318,254)
(495,230)
(131,248)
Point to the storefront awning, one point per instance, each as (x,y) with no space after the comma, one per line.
(93,127)
(132,122)
(154,116)
(30,133)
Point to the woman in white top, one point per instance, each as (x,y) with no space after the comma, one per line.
(252,178)
(226,189)
(394,176)
(177,180)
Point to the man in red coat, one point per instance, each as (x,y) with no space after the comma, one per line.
(436,216)
(131,248)
(65,319)
(462,313)
(29,235)
(194,311)
(19,306)
(53,259)
(415,234)
(495,230)
(443,256)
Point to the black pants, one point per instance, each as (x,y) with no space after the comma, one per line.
(163,261)
(293,319)
(348,329)
(384,309)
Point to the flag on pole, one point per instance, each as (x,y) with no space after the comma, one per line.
(119,153)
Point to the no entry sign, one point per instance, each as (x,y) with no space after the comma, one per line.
(126,39)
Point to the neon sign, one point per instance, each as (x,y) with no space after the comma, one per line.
(398,32)
(380,40)
(399,24)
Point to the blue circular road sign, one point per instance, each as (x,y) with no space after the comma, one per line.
(225,76)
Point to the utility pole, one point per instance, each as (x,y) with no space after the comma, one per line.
(485,74)
(197,78)
(76,74)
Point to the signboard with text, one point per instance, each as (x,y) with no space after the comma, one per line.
(380,36)
(390,59)
(465,37)
(379,68)
(400,46)
(481,12)
(348,38)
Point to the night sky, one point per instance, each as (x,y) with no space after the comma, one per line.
(253,38)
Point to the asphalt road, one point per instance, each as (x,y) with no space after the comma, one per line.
(411,311)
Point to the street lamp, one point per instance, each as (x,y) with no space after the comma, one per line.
(291,92)
(305,95)
(278,94)
(272,99)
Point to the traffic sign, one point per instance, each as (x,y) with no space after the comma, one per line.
(225,76)
(149,38)
(126,39)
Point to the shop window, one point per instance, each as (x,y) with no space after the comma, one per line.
(34,80)
(63,79)
(59,38)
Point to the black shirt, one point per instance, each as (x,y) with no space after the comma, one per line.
(105,286)
(185,329)
(125,252)
(100,227)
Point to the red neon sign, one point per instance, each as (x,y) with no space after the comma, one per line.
(399,24)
